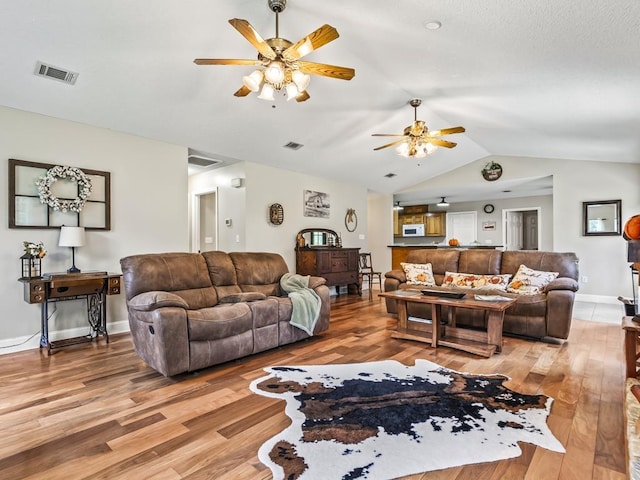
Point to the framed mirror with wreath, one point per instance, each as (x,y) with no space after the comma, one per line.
(45,195)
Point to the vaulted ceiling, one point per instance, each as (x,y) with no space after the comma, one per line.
(528,78)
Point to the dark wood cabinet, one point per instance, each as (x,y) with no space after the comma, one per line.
(338,265)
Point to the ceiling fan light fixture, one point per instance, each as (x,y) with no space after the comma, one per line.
(301,80)
(292,91)
(443,203)
(267,92)
(253,81)
(274,73)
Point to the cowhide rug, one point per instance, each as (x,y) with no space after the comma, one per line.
(383,420)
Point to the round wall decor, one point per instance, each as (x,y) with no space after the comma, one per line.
(276,214)
(488,208)
(492,171)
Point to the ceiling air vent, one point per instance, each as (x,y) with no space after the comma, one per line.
(202,161)
(294,146)
(56,73)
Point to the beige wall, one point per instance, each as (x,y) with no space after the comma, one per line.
(148,212)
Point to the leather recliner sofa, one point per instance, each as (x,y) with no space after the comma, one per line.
(545,315)
(188,311)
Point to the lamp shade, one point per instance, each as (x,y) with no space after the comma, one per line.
(71,237)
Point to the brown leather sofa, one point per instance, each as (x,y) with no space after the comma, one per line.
(542,316)
(189,311)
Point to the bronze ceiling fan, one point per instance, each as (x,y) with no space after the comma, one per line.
(280,67)
(417,140)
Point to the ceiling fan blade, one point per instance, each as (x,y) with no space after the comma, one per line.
(390,144)
(243,91)
(387,135)
(446,131)
(440,142)
(311,42)
(343,73)
(225,61)
(303,97)
(254,38)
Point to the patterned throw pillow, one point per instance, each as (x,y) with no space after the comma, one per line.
(527,281)
(418,274)
(470,280)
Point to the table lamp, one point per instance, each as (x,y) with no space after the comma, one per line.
(72,237)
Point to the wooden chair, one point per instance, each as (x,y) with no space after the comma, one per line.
(368,273)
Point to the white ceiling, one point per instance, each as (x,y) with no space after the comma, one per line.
(538,78)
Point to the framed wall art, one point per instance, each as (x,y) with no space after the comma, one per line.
(316,204)
(45,195)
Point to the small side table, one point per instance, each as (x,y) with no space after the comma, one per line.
(631,346)
(57,287)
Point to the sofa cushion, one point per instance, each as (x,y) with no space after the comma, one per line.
(418,273)
(243,297)
(470,280)
(222,273)
(218,322)
(528,281)
(259,272)
(480,261)
(184,274)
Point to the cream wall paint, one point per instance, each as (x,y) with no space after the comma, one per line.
(263,186)
(148,212)
(380,231)
(602,259)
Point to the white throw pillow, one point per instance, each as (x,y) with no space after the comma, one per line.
(418,274)
(530,282)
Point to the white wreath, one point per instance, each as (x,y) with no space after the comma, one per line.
(71,173)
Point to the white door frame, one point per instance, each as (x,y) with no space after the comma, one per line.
(521,209)
(195,219)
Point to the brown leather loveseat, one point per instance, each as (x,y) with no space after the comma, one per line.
(546,315)
(189,311)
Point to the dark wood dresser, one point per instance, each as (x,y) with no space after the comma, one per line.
(338,265)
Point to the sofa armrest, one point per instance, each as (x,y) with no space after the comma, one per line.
(243,297)
(397,274)
(148,301)
(563,283)
(315,282)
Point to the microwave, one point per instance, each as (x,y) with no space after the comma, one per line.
(413,230)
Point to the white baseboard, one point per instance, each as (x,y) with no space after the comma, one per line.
(26,342)
(581,297)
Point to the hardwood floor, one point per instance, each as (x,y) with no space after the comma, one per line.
(97,411)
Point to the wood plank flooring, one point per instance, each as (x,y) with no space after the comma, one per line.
(97,411)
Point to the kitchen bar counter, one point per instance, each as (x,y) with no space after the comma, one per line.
(400,251)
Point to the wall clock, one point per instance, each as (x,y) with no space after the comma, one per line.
(488,208)
(492,171)
(276,214)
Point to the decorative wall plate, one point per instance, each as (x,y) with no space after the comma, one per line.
(276,214)
(492,171)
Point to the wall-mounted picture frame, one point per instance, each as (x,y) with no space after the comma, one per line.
(316,204)
(27,211)
(488,225)
(602,217)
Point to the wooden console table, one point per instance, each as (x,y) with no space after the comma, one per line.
(57,287)
(433,332)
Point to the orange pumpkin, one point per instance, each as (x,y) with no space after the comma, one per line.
(632,228)
(454,242)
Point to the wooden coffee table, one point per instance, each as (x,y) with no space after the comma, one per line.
(479,342)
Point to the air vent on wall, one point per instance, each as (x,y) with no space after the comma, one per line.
(202,161)
(56,73)
(294,146)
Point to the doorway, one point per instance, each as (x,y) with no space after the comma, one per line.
(462,226)
(521,228)
(204,234)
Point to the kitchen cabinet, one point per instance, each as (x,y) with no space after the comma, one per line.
(435,224)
